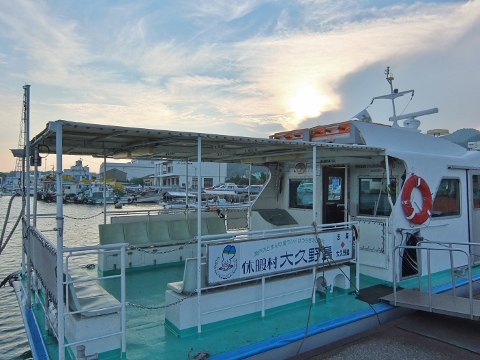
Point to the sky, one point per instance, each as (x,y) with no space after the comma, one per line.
(248,68)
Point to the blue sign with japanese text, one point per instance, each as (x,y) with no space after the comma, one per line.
(255,258)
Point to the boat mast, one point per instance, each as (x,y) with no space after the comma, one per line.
(394,93)
(390,80)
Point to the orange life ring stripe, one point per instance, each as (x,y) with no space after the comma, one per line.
(412,182)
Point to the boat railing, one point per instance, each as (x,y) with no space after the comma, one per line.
(437,246)
(265,297)
(110,307)
(313,229)
(277,233)
(236,216)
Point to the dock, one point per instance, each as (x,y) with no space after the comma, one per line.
(417,335)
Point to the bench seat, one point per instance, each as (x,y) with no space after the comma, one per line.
(189,282)
(88,296)
(158,233)
(162,241)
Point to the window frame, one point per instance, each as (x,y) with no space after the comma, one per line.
(459,198)
(381,178)
(294,200)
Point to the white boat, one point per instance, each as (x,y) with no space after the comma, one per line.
(11,189)
(99,193)
(124,200)
(177,200)
(351,207)
(147,198)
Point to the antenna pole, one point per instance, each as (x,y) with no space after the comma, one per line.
(390,80)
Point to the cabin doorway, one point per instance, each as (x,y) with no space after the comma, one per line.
(474,211)
(333,195)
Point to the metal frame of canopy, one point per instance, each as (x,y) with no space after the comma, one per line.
(73,138)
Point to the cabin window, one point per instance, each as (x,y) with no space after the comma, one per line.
(447,198)
(476,191)
(301,193)
(373,196)
(334,188)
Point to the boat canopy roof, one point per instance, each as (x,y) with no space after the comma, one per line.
(139,143)
(398,141)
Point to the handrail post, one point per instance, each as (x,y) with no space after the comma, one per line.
(418,251)
(394,264)
(263,296)
(454,287)
(429,281)
(123,299)
(60,224)
(357,263)
(470,290)
(199,233)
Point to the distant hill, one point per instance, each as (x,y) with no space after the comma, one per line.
(463,136)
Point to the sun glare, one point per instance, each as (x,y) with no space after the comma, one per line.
(307,103)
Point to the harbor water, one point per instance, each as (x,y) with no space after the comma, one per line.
(80,230)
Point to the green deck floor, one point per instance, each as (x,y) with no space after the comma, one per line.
(148,337)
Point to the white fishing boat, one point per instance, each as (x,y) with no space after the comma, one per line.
(152,198)
(178,200)
(350,211)
(97,192)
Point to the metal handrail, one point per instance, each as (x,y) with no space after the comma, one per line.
(300,230)
(89,250)
(283,232)
(446,246)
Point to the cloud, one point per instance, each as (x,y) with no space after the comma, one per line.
(216,65)
(51,47)
(282,66)
(207,11)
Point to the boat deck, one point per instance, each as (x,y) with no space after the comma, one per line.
(437,303)
(148,336)
(280,334)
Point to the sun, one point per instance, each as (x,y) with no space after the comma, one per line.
(307,102)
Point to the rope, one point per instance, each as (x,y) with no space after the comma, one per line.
(155,251)
(407,103)
(202,355)
(7,215)
(144,307)
(83,218)
(328,256)
(321,248)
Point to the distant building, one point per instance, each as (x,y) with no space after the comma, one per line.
(174,174)
(118,175)
(149,180)
(78,171)
(134,169)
